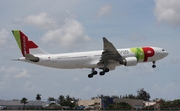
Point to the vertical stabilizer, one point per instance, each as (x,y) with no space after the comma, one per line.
(25,45)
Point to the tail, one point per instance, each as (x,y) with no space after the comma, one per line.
(25,45)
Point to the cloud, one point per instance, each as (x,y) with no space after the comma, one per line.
(4,39)
(76,79)
(105,10)
(41,20)
(23,74)
(10,74)
(168,11)
(8,70)
(18,73)
(65,31)
(29,86)
(71,34)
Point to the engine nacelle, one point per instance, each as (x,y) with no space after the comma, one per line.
(129,61)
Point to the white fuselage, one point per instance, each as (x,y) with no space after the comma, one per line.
(89,59)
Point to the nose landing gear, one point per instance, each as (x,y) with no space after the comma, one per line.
(154,66)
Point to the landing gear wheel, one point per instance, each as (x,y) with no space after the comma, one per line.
(153,66)
(102,73)
(93,72)
(90,75)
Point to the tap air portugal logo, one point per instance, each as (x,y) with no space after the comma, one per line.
(143,53)
(24,44)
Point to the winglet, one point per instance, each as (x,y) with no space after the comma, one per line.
(25,45)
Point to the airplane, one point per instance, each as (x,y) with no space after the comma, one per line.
(106,59)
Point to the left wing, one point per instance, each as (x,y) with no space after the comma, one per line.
(110,53)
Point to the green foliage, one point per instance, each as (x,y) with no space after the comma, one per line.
(110,107)
(67,101)
(38,97)
(54,106)
(142,94)
(24,101)
(51,99)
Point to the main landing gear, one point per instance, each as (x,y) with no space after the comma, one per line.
(154,66)
(94,72)
(104,71)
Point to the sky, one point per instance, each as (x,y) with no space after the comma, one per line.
(61,26)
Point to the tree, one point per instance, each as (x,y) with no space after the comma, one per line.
(110,106)
(53,106)
(24,101)
(115,96)
(142,94)
(51,99)
(68,98)
(67,101)
(61,99)
(101,96)
(38,97)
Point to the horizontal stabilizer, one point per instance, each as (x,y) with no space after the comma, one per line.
(31,58)
(15,59)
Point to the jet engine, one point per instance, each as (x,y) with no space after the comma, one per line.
(129,61)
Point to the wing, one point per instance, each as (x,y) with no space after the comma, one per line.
(110,53)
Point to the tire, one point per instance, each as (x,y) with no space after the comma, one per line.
(153,66)
(90,75)
(102,73)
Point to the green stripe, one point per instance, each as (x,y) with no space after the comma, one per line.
(135,51)
(140,53)
(16,34)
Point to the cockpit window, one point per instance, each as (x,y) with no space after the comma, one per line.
(163,50)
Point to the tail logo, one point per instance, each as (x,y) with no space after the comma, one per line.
(24,44)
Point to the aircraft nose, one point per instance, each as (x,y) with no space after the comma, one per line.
(165,54)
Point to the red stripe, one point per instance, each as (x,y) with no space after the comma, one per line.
(148,52)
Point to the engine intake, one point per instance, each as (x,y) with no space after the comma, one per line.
(129,61)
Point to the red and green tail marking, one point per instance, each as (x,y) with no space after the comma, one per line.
(23,42)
